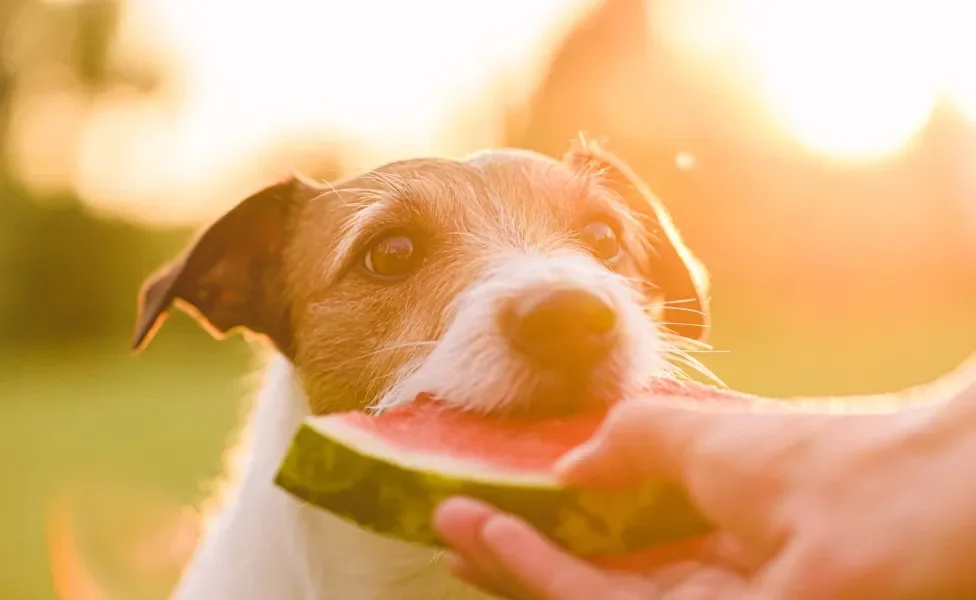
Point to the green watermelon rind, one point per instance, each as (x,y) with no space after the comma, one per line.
(391,499)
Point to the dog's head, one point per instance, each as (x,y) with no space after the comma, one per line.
(505,282)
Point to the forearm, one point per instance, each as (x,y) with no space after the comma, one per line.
(953,393)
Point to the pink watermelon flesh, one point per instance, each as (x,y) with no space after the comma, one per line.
(388,473)
(435,433)
(528,447)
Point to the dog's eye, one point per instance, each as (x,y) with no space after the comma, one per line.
(602,239)
(392,256)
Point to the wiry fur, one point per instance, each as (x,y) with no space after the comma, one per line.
(266,545)
(472,368)
(494,226)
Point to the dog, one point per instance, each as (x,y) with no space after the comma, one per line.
(506,282)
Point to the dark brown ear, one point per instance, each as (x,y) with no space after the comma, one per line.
(231,276)
(673,270)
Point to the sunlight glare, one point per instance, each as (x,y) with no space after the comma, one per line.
(387,76)
(841,73)
(959,54)
(248,82)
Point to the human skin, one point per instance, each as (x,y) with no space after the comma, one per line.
(806,506)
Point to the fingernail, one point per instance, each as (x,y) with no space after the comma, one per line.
(505,535)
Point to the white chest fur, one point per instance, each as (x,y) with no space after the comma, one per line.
(266,545)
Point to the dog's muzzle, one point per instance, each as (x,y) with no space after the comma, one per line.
(567,330)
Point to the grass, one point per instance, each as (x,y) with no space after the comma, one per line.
(160,421)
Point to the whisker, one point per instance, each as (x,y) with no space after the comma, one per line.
(702,325)
(633,279)
(675,371)
(685,301)
(678,355)
(697,366)
(682,309)
(681,341)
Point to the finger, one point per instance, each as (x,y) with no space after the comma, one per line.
(463,523)
(544,571)
(720,550)
(656,437)
(467,572)
(737,467)
(654,558)
(701,582)
(607,458)
(460,522)
(497,583)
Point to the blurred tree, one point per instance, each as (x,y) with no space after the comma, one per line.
(64,273)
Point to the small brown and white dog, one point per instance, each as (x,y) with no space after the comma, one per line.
(506,282)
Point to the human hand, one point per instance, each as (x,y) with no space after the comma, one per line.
(807,506)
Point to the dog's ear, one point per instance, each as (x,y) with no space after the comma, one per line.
(674,273)
(231,276)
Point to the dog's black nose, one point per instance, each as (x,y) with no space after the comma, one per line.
(560,329)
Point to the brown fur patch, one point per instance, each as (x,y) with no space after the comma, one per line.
(350,334)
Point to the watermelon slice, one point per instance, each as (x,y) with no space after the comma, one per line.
(388,473)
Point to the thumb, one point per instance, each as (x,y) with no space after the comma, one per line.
(639,438)
(736,466)
(664,438)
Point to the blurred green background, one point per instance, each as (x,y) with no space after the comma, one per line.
(842,264)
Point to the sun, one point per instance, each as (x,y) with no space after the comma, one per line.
(958,68)
(385,78)
(850,78)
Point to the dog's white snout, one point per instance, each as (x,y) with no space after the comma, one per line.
(564,328)
(538,334)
